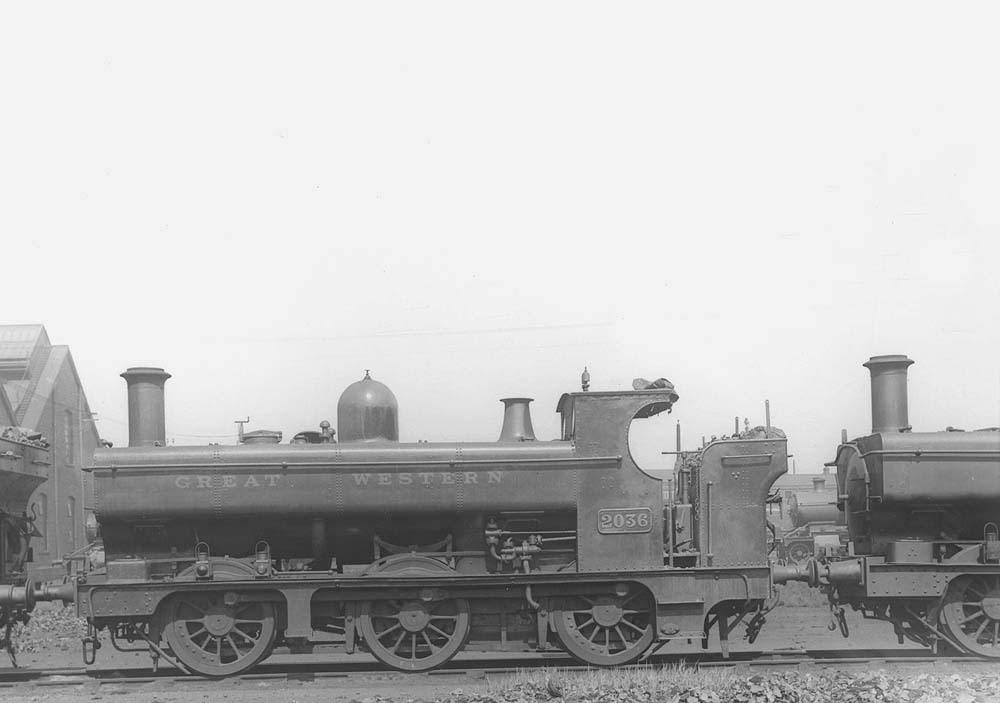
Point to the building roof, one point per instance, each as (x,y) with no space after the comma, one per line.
(18,344)
(29,369)
(6,411)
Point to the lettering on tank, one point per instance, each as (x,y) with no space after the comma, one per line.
(428,478)
(230,481)
(374,480)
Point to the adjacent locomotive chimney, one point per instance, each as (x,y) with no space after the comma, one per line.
(889,404)
(516,420)
(146,423)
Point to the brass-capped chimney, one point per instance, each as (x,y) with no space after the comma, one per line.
(146,422)
(516,420)
(889,403)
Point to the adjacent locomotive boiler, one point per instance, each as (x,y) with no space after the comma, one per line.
(416,551)
(922,510)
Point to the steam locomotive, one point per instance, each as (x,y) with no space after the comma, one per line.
(416,551)
(20,451)
(922,510)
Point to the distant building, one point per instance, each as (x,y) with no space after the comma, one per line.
(41,391)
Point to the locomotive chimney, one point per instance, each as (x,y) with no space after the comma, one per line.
(516,420)
(146,424)
(889,404)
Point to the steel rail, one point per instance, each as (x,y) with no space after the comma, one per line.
(482,668)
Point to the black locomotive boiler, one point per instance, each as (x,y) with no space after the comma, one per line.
(417,551)
(922,510)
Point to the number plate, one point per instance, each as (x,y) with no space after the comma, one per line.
(617,521)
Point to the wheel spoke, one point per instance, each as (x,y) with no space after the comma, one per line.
(430,645)
(413,645)
(245,636)
(621,634)
(437,630)
(584,624)
(974,616)
(232,644)
(996,632)
(594,633)
(390,630)
(452,618)
(980,630)
(638,629)
(395,645)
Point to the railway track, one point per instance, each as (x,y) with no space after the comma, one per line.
(320,672)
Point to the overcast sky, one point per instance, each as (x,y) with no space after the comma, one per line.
(476,201)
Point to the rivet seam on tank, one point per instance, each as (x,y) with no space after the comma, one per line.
(339,488)
(459,493)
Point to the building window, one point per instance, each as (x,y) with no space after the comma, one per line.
(68,438)
(71,509)
(42,522)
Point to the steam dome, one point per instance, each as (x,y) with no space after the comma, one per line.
(368,412)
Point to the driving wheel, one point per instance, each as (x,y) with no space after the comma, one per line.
(414,635)
(214,639)
(972,614)
(606,630)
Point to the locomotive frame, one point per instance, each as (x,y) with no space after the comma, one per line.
(536,545)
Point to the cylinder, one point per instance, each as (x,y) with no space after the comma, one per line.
(146,423)
(889,403)
(516,421)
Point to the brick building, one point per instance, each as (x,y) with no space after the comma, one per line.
(41,391)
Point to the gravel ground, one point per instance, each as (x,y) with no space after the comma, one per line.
(52,640)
